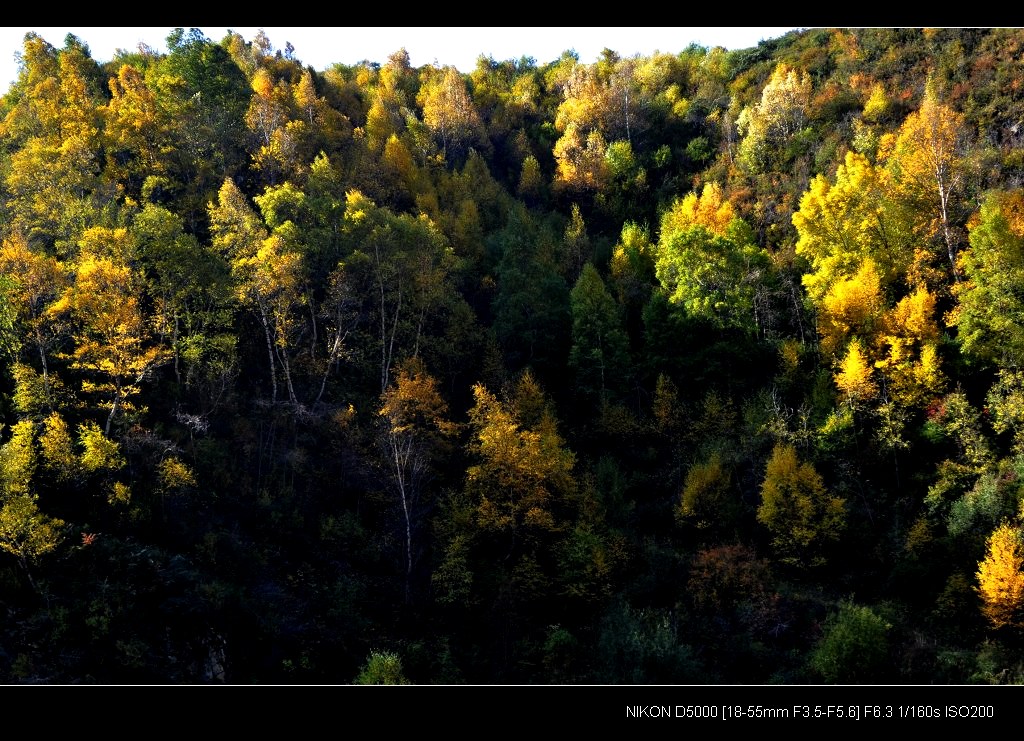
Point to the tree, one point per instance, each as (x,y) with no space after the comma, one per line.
(707,267)
(989,313)
(35,281)
(278,137)
(413,431)
(26,532)
(855,647)
(576,245)
(18,462)
(841,224)
(705,500)
(929,164)
(599,355)
(580,161)
(450,114)
(797,509)
(190,287)
(241,237)
(401,264)
(521,471)
(851,308)
(504,528)
(114,340)
(854,377)
(910,360)
(382,667)
(54,123)
(768,126)
(1000,578)
(205,96)
(136,133)
(9,341)
(532,317)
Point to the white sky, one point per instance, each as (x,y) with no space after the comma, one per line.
(320,47)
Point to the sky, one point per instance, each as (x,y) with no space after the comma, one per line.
(321,47)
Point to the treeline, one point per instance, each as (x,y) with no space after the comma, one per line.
(704,367)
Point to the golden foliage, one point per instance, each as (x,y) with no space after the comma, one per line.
(710,210)
(25,531)
(581,164)
(175,475)
(854,376)
(58,451)
(1001,578)
(521,470)
(705,492)
(99,453)
(18,461)
(797,509)
(852,305)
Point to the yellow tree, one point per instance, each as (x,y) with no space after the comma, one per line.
(53,122)
(769,125)
(852,307)
(710,209)
(908,342)
(114,345)
(520,471)
(414,426)
(37,280)
(25,531)
(323,125)
(1001,578)
(241,236)
(449,113)
(271,279)
(267,119)
(389,99)
(506,524)
(929,163)
(854,376)
(580,160)
(842,223)
(797,509)
(135,135)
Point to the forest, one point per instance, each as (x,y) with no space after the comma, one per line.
(705,367)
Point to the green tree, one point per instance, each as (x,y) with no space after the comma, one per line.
(855,647)
(382,667)
(190,287)
(531,307)
(599,355)
(708,268)
(989,313)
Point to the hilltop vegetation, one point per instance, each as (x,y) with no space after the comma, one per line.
(704,367)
